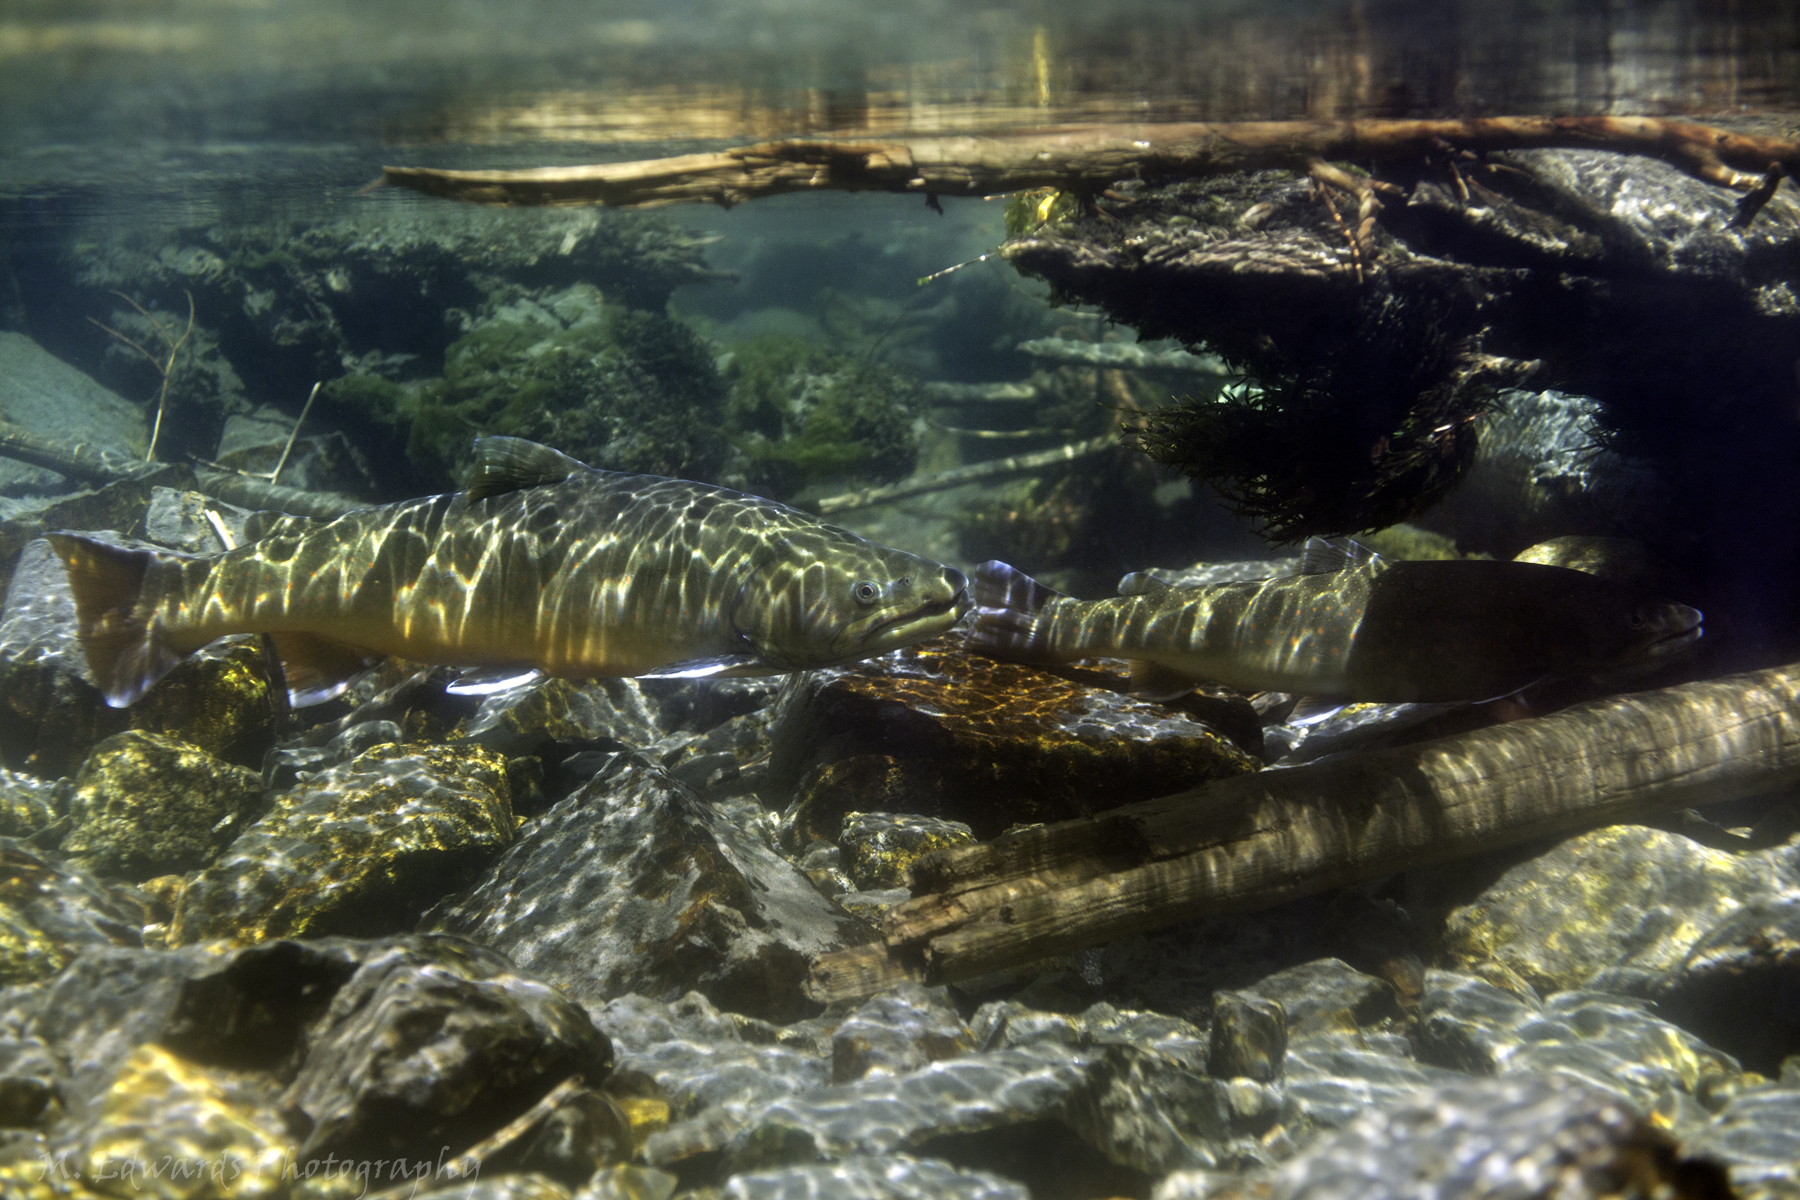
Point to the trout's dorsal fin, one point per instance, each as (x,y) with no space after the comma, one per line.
(506,464)
(1324,555)
(1142,583)
(267,523)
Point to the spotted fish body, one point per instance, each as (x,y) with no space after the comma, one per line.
(1352,625)
(543,565)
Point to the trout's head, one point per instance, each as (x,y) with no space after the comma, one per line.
(1629,635)
(833,597)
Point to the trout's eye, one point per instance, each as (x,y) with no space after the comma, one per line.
(1639,618)
(865,592)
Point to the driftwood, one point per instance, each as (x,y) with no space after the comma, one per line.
(1257,840)
(1017,464)
(99,466)
(1087,158)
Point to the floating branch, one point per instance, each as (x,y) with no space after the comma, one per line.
(1258,840)
(1087,158)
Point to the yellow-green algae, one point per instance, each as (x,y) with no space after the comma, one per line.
(360,849)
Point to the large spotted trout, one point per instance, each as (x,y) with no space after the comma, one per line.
(543,565)
(1352,625)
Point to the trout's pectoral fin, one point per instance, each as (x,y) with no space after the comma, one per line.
(317,668)
(486,681)
(707,668)
(1153,681)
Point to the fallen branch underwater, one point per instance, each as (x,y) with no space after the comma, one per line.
(1087,158)
(1257,840)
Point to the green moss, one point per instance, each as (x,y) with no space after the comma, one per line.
(623,389)
(803,415)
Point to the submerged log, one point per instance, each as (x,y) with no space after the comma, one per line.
(1017,464)
(98,465)
(1086,158)
(1258,840)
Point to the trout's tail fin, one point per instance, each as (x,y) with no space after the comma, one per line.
(1009,619)
(123,650)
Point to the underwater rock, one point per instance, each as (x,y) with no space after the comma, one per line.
(45,395)
(434,1041)
(630,1183)
(880,848)
(634,884)
(1757,1136)
(1154,1113)
(161,1109)
(1739,984)
(932,731)
(896,1032)
(357,849)
(1625,899)
(50,913)
(29,804)
(146,805)
(179,520)
(527,719)
(1528,1137)
(1326,996)
(889,1177)
(528,1186)
(220,698)
(30,1078)
(1610,1043)
(698,1073)
(1249,1038)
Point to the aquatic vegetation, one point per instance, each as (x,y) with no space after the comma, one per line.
(622,389)
(802,415)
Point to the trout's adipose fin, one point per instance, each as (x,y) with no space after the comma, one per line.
(107,581)
(1007,606)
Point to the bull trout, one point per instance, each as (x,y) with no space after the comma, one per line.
(1351,625)
(543,565)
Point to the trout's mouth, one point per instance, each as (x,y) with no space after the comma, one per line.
(928,613)
(1676,633)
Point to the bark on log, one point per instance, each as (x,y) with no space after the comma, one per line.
(1258,840)
(1086,158)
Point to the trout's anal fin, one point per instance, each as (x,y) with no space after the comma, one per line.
(508,464)
(707,668)
(316,668)
(1153,681)
(487,681)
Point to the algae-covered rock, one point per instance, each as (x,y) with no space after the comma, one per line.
(616,388)
(162,1110)
(361,848)
(633,883)
(1621,897)
(803,415)
(50,913)
(943,734)
(880,848)
(28,804)
(221,698)
(1738,986)
(146,804)
(899,1031)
